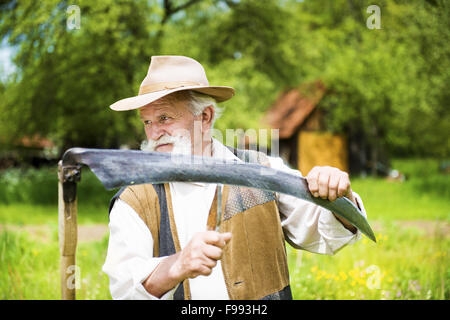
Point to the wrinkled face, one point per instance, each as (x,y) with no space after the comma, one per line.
(171,127)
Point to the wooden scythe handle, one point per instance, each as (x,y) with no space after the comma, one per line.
(67,215)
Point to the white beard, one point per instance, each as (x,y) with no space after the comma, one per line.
(181,144)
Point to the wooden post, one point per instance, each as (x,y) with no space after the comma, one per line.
(67,215)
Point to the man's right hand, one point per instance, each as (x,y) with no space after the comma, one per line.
(200,255)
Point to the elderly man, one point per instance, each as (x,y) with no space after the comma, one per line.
(160,246)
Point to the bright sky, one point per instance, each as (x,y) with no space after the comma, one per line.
(6,65)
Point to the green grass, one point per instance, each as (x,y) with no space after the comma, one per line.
(425,194)
(390,201)
(30,269)
(405,263)
(21,214)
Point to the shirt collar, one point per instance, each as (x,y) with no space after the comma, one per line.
(219,151)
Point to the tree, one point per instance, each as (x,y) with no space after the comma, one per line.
(67,78)
(389,85)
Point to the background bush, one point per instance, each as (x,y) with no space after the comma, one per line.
(40,186)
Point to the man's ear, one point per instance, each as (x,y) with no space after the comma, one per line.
(207,117)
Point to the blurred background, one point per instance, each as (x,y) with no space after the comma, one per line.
(354,84)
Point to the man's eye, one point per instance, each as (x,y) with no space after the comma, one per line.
(147,122)
(163,118)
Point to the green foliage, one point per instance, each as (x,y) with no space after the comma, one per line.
(395,88)
(67,78)
(389,85)
(40,186)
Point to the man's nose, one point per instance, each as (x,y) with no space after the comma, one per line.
(156,132)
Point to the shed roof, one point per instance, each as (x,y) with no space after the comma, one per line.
(293,106)
(36,141)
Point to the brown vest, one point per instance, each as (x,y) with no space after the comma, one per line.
(254,263)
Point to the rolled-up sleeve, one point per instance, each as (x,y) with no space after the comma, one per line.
(311,227)
(129,259)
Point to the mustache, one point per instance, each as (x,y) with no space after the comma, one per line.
(181,144)
(151,145)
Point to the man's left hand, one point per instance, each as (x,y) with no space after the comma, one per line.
(331,183)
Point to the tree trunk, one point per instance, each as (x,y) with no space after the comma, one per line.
(374,160)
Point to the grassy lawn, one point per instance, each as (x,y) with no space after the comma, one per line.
(23,214)
(406,262)
(425,195)
(403,264)
(30,269)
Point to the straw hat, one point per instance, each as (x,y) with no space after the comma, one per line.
(168,74)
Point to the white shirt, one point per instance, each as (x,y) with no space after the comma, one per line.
(130,260)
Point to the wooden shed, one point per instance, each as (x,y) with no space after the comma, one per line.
(305,142)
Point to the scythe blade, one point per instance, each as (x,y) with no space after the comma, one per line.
(116,168)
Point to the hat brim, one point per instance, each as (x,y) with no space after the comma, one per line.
(219,93)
